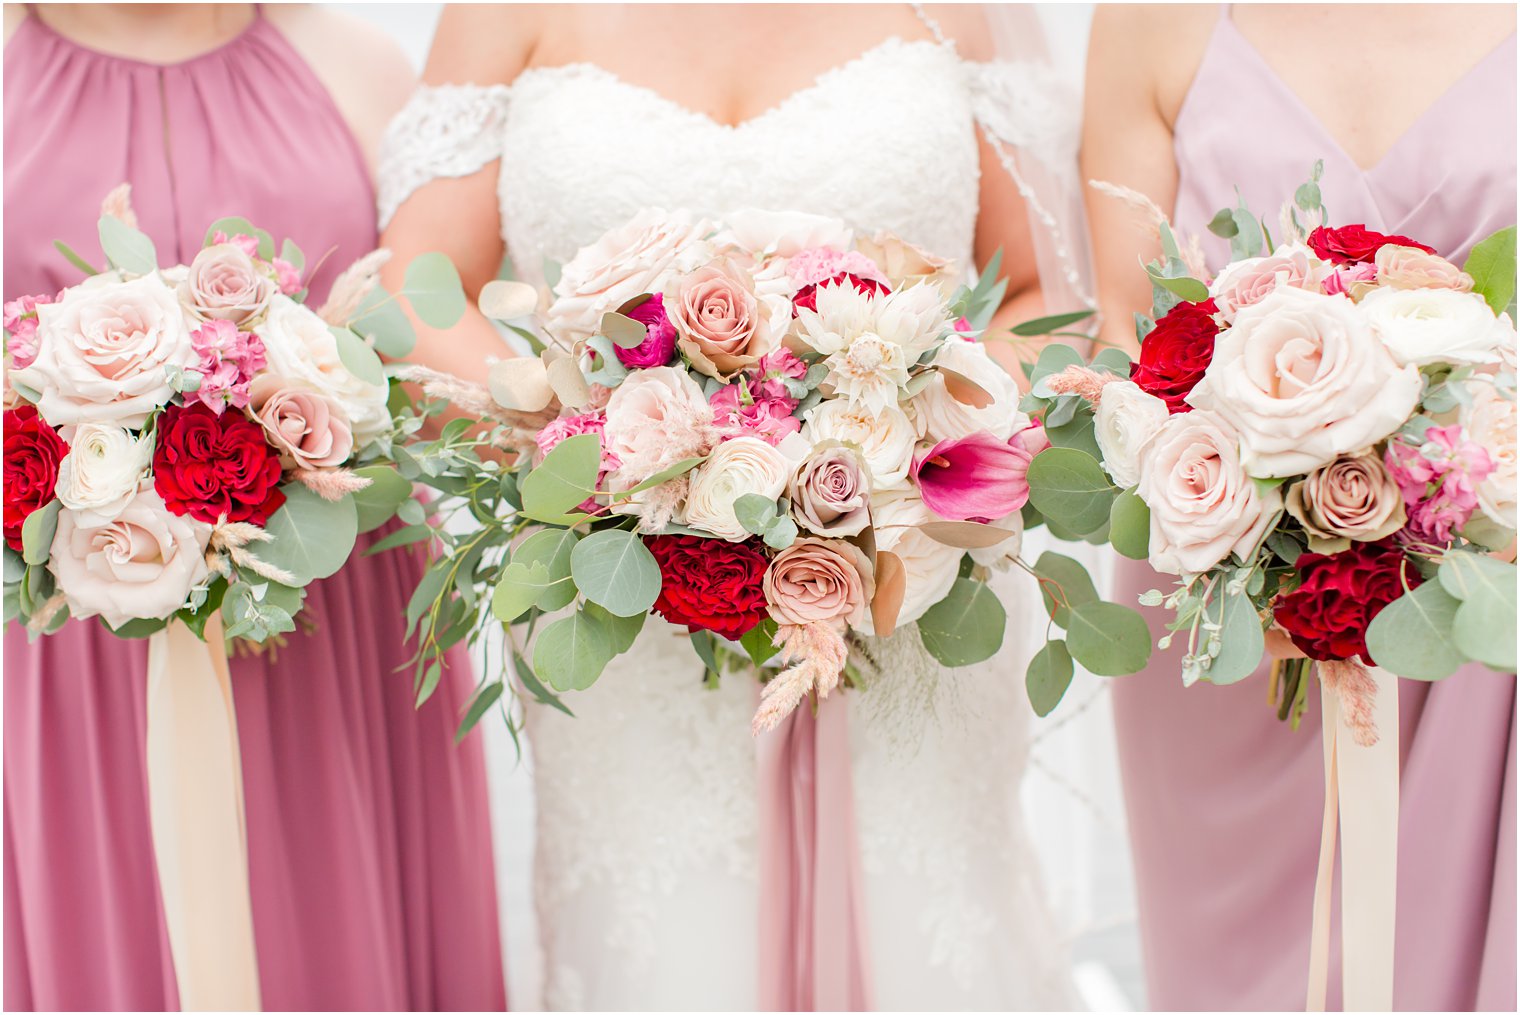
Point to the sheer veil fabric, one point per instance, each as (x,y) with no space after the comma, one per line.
(646,837)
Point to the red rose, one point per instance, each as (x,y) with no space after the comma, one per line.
(32,453)
(807,296)
(1327,615)
(1175,354)
(710,584)
(1355,244)
(208,465)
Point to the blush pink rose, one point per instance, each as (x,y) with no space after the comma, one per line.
(1248,281)
(819,581)
(654,419)
(1352,498)
(225,284)
(721,324)
(303,425)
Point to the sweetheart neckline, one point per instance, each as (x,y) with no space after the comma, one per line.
(820,81)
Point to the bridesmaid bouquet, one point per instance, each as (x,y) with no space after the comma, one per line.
(193,441)
(770,431)
(1319,442)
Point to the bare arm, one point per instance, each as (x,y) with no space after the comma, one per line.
(1127,140)
(460,217)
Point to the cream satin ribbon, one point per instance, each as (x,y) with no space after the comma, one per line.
(195,798)
(1362,796)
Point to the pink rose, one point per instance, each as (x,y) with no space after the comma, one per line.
(309,430)
(831,491)
(1352,498)
(139,565)
(225,284)
(722,326)
(975,478)
(1353,279)
(819,581)
(659,337)
(1203,505)
(1248,281)
(1413,268)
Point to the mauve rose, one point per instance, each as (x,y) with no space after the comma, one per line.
(721,325)
(885,438)
(139,565)
(103,349)
(1413,268)
(819,581)
(1303,380)
(225,284)
(831,491)
(303,425)
(659,337)
(635,258)
(1203,505)
(1242,283)
(1352,498)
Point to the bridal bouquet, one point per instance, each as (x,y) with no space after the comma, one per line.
(1319,440)
(193,440)
(770,431)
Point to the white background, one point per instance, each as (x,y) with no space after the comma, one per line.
(1086,858)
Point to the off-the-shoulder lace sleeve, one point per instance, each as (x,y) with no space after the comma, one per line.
(443,131)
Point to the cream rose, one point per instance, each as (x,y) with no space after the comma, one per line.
(102,471)
(1422,326)
(140,565)
(309,430)
(1302,379)
(636,258)
(223,283)
(1490,420)
(819,581)
(655,418)
(1125,419)
(104,349)
(1354,497)
(929,566)
(1203,505)
(722,325)
(942,416)
(1413,268)
(831,491)
(885,438)
(1242,283)
(299,346)
(736,467)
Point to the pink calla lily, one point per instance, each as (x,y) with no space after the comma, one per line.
(974,478)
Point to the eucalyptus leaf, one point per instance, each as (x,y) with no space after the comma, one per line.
(781,533)
(1223,223)
(520,588)
(1412,636)
(1078,433)
(564,479)
(702,644)
(479,705)
(37,533)
(1484,628)
(376,503)
(291,255)
(572,652)
(380,318)
(552,548)
(1129,526)
(1048,677)
(1114,360)
(1064,584)
(966,626)
(614,569)
(1053,359)
(665,475)
(15,566)
(401,537)
(610,371)
(1069,484)
(755,512)
(312,537)
(1492,267)
(1189,289)
(358,358)
(73,258)
(1108,639)
(622,632)
(128,249)
(1046,325)
(1242,642)
(759,642)
(625,332)
(535,687)
(432,287)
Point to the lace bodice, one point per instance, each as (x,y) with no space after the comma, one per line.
(647,825)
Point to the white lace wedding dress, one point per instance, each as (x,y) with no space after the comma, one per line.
(646,839)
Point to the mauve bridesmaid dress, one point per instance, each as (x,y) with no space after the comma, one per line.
(368,833)
(1224,802)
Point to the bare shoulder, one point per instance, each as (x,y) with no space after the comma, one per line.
(360,64)
(486,44)
(1153,47)
(14,15)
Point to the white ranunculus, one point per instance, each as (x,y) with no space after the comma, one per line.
(930,567)
(1126,418)
(1303,380)
(940,416)
(638,257)
(1203,505)
(1423,326)
(885,438)
(1490,420)
(102,471)
(299,345)
(736,467)
(141,565)
(104,349)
